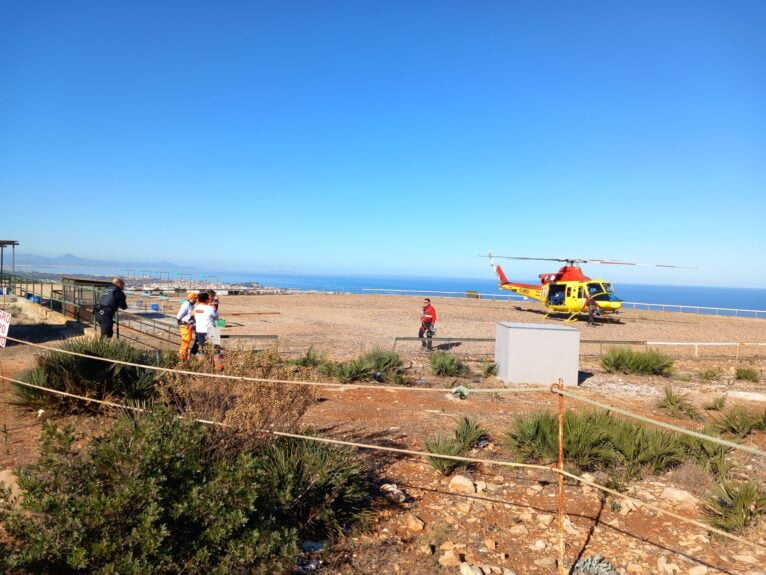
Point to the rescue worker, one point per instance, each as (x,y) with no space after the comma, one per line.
(592,311)
(213,298)
(184,319)
(204,319)
(427,324)
(112,299)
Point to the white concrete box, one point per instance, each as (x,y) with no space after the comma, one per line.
(537,353)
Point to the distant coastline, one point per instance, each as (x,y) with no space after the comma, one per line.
(721,297)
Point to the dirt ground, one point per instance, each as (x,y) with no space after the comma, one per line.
(509,522)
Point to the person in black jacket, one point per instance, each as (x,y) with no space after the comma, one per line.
(112,299)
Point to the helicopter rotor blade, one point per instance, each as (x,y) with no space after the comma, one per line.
(616,263)
(535,259)
(591,261)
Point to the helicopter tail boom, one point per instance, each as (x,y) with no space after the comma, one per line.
(527,290)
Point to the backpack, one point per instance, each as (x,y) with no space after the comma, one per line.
(107,300)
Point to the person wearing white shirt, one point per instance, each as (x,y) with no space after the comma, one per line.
(184,319)
(204,319)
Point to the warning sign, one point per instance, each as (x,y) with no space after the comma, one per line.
(5,322)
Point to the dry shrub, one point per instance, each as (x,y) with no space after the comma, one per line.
(692,477)
(248,410)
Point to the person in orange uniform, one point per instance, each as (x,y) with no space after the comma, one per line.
(185,321)
(427,324)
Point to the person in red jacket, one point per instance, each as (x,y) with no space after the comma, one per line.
(427,324)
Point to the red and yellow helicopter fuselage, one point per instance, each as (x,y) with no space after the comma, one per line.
(566,291)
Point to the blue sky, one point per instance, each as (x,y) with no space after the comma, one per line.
(398,138)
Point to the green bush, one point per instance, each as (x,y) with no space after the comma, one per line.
(446,364)
(467,433)
(735,506)
(717,404)
(624,360)
(310,359)
(445,446)
(586,441)
(489,369)
(154,495)
(737,421)
(320,490)
(677,405)
(382,360)
(377,361)
(709,374)
(597,441)
(711,456)
(747,374)
(89,377)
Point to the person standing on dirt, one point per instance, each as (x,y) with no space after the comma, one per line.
(592,311)
(204,319)
(112,299)
(185,321)
(427,324)
(213,298)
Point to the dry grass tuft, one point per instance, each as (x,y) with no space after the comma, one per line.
(248,410)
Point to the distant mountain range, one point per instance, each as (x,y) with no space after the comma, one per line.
(73,260)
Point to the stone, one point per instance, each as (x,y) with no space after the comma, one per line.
(698,570)
(518,530)
(546,563)
(415,523)
(490,544)
(569,527)
(587,489)
(449,559)
(447,546)
(746,559)
(464,507)
(540,545)
(468,569)
(634,568)
(508,571)
(392,492)
(427,549)
(461,484)
(481,486)
(9,479)
(680,497)
(545,519)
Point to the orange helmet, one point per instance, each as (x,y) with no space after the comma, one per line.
(191,295)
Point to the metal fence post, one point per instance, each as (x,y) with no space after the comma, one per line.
(562,543)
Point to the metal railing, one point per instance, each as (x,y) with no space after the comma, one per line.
(706,310)
(696,345)
(469,294)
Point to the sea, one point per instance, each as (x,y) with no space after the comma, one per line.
(739,301)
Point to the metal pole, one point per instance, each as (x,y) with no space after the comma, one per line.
(562,543)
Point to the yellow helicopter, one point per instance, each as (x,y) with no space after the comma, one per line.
(568,290)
